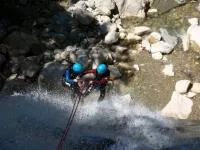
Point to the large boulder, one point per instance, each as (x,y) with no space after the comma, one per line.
(30,67)
(179,107)
(50,76)
(164,6)
(130,8)
(104,6)
(20,42)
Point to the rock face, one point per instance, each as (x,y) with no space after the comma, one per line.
(164,6)
(179,107)
(30,67)
(50,76)
(130,8)
(104,7)
(182,86)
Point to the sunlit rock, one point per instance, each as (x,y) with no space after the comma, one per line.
(157,56)
(162,47)
(130,8)
(141,30)
(171,40)
(154,37)
(146,45)
(182,86)
(51,75)
(131,37)
(195,87)
(104,7)
(168,70)
(179,107)
(193,32)
(190,94)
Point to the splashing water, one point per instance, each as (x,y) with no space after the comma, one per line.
(36,120)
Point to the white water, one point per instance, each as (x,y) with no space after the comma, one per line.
(34,121)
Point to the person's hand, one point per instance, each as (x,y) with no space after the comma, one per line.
(78,78)
(75,80)
(91,82)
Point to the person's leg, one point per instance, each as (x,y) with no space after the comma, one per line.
(102,93)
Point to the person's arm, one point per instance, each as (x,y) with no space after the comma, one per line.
(102,81)
(68,78)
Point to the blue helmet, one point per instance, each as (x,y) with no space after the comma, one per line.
(101,68)
(77,68)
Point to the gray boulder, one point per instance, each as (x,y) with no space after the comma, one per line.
(129,8)
(171,40)
(104,6)
(83,16)
(51,76)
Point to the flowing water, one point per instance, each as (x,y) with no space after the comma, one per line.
(36,120)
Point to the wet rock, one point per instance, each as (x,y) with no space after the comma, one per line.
(154,37)
(157,56)
(75,35)
(193,32)
(168,70)
(130,8)
(50,76)
(104,7)
(2,60)
(12,77)
(30,67)
(15,68)
(141,30)
(179,107)
(131,37)
(195,87)
(16,85)
(84,17)
(171,40)
(20,42)
(162,47)
(182,86)
(136,67)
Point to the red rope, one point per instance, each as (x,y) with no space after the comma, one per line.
(69,122)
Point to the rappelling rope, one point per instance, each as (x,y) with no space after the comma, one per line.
(69,122)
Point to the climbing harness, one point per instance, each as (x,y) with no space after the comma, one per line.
(83,89)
